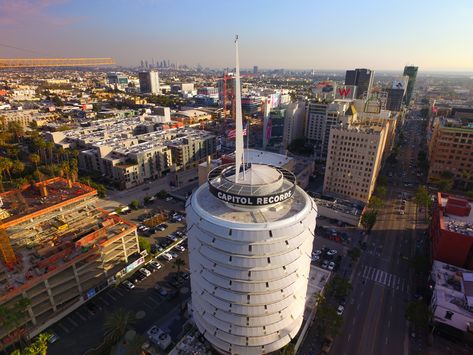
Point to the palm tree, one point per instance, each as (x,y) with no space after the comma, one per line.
(35,159)
(116,325)
(178,263)
(18,167)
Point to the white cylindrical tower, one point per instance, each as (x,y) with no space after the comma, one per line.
(250,244)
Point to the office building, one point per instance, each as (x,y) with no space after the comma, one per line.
(411,72)
(116,78)
(363,79)
(451,150)
(255,70)
(58,251)
(452,298)
(320,117)
(354,159)
(396,94)
(451,231)
(149,82)
(249,251)
(293,123)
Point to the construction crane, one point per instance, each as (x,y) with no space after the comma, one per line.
(53,62)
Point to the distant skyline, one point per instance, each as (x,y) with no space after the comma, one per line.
(301,34)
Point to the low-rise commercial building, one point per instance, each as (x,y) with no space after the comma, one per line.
(451,231)
(452,298)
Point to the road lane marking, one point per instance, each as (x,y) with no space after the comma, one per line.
(72,321)
(386,340)
(152,300)
(118,291)
(111,296)
(104,301)
(64,328)
(81,316)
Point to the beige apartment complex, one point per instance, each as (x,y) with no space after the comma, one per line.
(354,160)
(57,251)
(451,150)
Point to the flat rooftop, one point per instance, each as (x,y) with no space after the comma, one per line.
(29,200)
(340,205)
(453,288)
(264,157)
(454,222)
(57,243)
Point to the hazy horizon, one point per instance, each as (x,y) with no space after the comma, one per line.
(299,35)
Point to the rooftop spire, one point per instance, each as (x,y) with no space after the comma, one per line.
(239,150)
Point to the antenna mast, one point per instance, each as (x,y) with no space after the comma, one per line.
(239,148)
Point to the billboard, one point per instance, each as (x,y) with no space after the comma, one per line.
(345,92)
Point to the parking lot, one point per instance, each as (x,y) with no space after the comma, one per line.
(153,299)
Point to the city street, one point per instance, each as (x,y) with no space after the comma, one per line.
(374,321)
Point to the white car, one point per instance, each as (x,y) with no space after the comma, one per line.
(331,265)
(315,257)
(145,272)
(169,198)
(167,256)
(340,310)
(325,264)
(316,252)
(129,285)
(332,252)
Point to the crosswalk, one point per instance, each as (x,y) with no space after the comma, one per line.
(385,278)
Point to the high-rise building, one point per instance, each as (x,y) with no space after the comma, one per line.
(320,117)
(411,72)
(149,82)
(354,160)
(293,123)
(251,231)
(255,69)
(396,94)
(362,78)
(451,150)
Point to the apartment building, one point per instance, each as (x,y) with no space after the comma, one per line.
(354,160)
(451,149)
(192,149)
(132,151)
(58,251)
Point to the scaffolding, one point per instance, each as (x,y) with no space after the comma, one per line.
(6,249)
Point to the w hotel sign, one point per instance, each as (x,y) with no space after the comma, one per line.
(345,92)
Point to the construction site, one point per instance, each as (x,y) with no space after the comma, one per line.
(58,250)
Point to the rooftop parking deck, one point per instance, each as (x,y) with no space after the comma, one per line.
(33,200)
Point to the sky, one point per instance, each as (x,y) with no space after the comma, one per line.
(295,34)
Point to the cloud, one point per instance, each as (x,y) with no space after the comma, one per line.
(24,12)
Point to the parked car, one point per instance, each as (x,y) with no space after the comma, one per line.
(156,265)
(325,264)
(174,254)
(316,252)
(144,271)
(53,338)
(340,310)
(172,237)
(150,268)
(331,252)
(315,257)
(167,256)
(162,291)
(180,248)
(129,285)
(169,198)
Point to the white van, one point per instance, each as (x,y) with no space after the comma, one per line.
(167,256)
